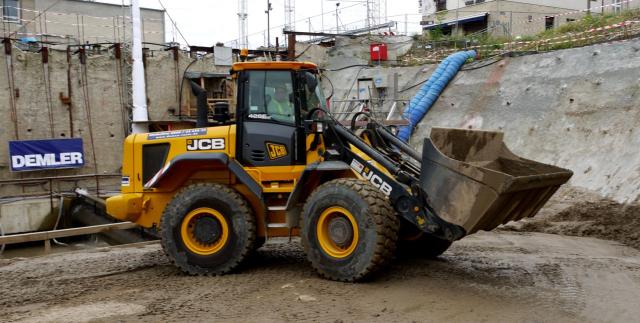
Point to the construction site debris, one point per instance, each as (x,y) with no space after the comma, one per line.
(577,212)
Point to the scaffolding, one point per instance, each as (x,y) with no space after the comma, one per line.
(289,14)
(243,24)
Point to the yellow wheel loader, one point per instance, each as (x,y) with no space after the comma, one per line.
(286,167)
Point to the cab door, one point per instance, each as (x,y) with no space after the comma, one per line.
(268,126)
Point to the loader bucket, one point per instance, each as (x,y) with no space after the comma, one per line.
(473,180)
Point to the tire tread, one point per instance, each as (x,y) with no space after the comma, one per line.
(383,215)
(170,219)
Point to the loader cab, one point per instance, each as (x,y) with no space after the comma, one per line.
(273,99)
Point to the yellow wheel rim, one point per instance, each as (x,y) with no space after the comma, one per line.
(195,245)
(337,216)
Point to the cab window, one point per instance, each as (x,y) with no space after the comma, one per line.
(314,98)
(270,96)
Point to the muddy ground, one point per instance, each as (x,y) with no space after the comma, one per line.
(505,275)
(577,212)
(500,276)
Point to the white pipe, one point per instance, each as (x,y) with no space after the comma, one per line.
(391,111)
(140,115)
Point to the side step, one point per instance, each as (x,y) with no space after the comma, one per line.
(276,209)
(277,225)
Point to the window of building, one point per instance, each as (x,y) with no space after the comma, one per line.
(10,11)
(570,20)
(549,22)
(617,6)
(441,5)
(530,18)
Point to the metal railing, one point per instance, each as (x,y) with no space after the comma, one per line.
(433,51)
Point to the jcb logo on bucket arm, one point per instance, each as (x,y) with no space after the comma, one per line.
(372,177)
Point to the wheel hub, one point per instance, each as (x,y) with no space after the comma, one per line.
(340,231)
(207,230)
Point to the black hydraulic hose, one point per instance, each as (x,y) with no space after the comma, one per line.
(359,143)
(386,134)
(355,117)
(302,53)
(401,145)
(184,76)
(348,66)
(332,88)
(412,86)
(314,110)
(354,140)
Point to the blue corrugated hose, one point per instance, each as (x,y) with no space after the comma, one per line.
(430,91)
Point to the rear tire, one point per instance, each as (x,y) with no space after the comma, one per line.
(349,230)
(207,229)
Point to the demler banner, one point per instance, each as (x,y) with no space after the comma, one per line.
(29,155)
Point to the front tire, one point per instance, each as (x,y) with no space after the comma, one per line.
(349,230)
(207,229)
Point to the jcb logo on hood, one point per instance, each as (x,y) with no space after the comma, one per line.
(205,144)
(276,150)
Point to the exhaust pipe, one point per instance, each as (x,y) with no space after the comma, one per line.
(203,109)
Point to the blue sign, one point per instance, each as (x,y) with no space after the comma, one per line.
(28,155)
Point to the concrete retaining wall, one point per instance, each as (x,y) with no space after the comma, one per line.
(98,112)
(576,108)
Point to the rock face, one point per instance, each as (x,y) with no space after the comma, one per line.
(74,100)
(569,108)
(577,108)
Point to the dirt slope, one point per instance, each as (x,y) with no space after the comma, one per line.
(578,212)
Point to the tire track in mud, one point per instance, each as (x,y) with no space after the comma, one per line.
(569,290)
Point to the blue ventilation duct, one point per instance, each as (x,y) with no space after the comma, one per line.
(430,91)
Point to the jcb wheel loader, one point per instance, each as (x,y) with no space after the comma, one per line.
(285,167)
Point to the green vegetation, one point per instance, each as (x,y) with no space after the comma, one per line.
(488,44)
(590,22)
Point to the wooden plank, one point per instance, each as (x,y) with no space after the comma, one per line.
(46,235)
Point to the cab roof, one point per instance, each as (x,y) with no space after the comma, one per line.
(286,65)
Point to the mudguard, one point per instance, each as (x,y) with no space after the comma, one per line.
(199,161)
(313,176)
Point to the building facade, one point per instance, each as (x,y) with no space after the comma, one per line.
(77,21)
(511,17)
